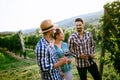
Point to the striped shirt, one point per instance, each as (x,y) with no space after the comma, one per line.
(78,46)
(46,59)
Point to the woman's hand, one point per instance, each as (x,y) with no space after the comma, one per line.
(69,61)
(62,74)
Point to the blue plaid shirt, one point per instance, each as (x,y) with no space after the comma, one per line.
(46,59)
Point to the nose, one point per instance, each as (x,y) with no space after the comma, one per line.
(78,26)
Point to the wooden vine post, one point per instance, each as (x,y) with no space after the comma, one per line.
(101,65)
(22,44)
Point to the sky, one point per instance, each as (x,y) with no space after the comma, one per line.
(18,15)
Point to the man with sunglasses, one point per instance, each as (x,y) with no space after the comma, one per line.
(81,45)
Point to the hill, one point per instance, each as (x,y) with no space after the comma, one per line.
(29,31)
(92,18)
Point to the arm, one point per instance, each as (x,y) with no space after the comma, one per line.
(60,62)
(71,46)
(92,46)
(42,59)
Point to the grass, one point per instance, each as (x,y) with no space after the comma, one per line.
(27,69)
(13,69)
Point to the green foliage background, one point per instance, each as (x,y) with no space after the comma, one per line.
(110,32)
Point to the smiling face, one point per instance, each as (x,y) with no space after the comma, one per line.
(59,34)
(79,26)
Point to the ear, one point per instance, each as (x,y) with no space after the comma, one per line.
(50,31)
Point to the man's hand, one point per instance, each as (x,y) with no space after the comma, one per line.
(63,60)
(69,61)
(92,56)
(84,56)
(60,62)
(62,74)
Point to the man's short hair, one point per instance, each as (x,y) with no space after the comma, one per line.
(79,19)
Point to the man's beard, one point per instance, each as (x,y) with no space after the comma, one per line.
(52,35)
(79,29)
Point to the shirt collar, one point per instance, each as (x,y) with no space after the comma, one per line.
(83,32)
(46,42)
